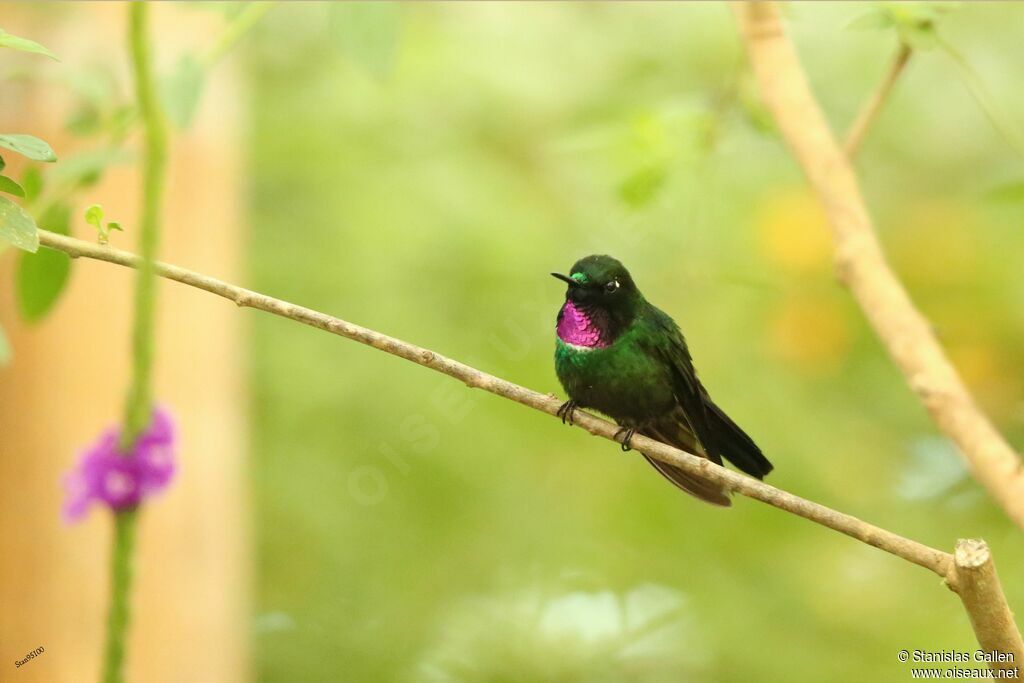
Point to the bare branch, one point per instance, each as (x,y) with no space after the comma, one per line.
(979,589)
(975,580)
(912,551)
(862,266)
(907,335)
(872,107)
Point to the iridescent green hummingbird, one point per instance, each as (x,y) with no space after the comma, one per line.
(620,355)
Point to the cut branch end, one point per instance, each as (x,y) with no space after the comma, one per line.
(975,580)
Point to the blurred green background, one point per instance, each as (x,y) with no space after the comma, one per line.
(420,168)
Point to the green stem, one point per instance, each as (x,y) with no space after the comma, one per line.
(138,405)
(234,31)
(209,58)
(976,86)
(121,578)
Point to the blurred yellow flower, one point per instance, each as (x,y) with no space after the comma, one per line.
(992,380)
(934,243)
(810,331)
(793,231)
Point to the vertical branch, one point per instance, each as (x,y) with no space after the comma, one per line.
(862,266)
(975,580)
(138,405)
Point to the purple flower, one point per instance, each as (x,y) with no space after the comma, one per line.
(122,481)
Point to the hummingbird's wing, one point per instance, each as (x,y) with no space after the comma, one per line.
(715,431)
(665,341)
(687,426)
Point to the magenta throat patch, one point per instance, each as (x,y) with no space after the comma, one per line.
(577,327)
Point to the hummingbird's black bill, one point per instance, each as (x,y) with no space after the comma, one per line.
(566,278)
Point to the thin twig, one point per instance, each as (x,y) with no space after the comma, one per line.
(862,267)
(912,551)
(1003,124)
(234,31)
(872,107)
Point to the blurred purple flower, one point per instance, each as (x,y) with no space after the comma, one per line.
(122,481)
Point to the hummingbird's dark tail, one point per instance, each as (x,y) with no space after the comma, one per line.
(674,430)
(706,491)
(733,444)
(722,437)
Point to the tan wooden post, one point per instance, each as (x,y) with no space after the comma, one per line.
(68,379)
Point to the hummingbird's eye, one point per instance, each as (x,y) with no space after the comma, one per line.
(611,286)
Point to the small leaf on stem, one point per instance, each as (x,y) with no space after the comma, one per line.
(17,227)
(11,187)
(94,216)
(181,89)
(28,146)
(32,183)
(42,276)
(24,45)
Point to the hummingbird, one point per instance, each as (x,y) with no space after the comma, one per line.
(618,354)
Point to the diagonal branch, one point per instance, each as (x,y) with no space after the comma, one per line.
(912,551)
(868,114)
(980,591)
(861,264)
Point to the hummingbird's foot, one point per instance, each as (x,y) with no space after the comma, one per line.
(627,435)
(568,412)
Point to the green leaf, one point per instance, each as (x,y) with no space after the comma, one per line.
(920,37)
(28,145)
(10,187)
(94,216)
(24,44)
(755,113)
(1008,192)
(3,164)
(121,120)
(17,227)
(181,89)
(42,276)
(367,34)
(32,182)
(874,19)
(229,10)
(57,219)
(86,120)
(642,186)
(5,349)
(85,168)
(917,23)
